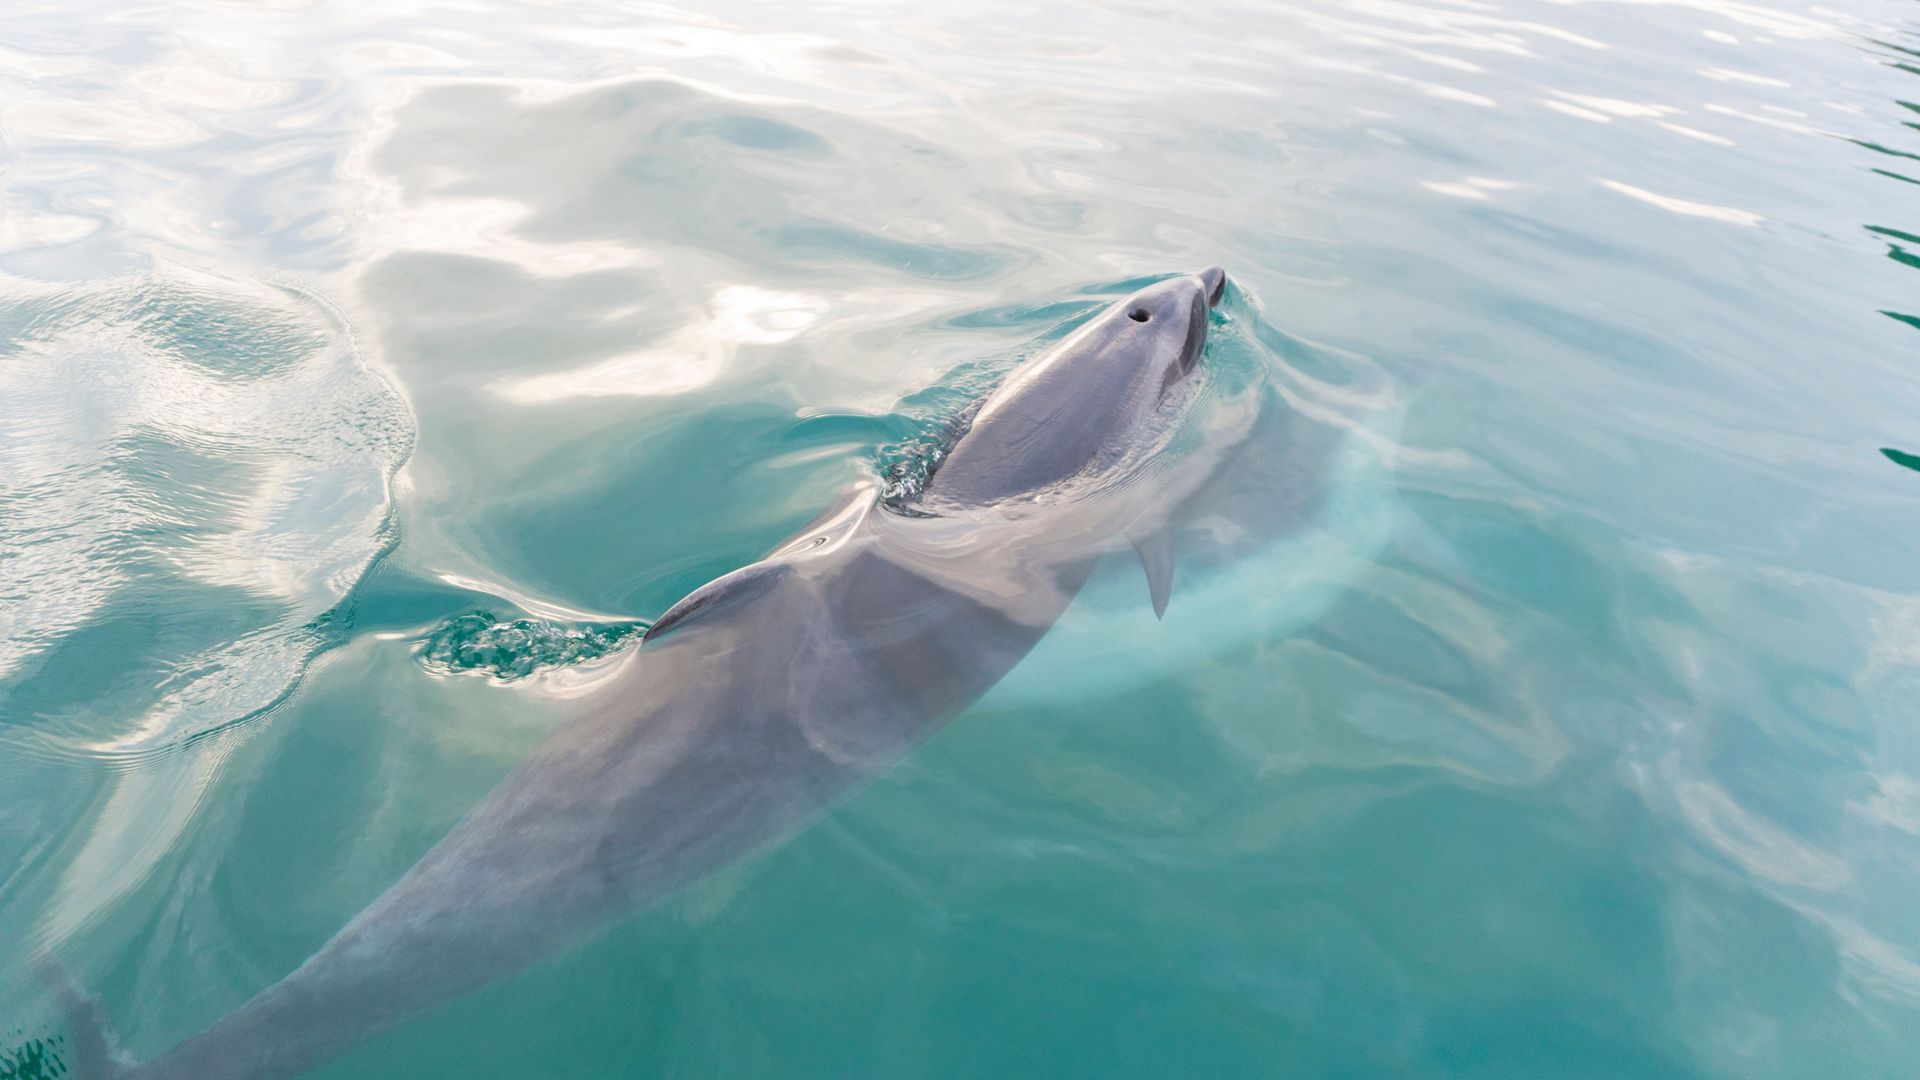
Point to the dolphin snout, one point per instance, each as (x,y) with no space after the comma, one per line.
(1214,280)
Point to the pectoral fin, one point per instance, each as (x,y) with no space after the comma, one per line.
(1156,558)
(743,584)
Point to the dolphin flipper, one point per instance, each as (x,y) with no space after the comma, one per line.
(1156,558)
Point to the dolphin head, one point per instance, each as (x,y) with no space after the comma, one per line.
(1169,322)
(1077,408)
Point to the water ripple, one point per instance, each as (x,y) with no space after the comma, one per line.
(197,474)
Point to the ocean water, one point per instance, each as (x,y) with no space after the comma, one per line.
(369,370)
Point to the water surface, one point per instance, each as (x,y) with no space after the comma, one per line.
(364,366)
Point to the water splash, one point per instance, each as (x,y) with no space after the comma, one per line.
(481,643)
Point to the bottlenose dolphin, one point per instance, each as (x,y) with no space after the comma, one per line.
(762,697)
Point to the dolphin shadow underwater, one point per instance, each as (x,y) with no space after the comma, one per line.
(765,695)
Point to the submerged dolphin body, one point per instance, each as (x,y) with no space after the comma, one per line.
(762,696)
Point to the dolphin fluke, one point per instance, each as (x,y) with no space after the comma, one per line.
(91,1041)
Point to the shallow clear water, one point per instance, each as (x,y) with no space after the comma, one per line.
(363,365)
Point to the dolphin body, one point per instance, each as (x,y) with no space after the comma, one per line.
(760,698)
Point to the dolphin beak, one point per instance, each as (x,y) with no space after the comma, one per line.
(1214,281)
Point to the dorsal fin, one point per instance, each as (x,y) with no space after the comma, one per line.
(743,584)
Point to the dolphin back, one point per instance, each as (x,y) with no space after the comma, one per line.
(707,744)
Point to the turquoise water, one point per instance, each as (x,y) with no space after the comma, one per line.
(367,368)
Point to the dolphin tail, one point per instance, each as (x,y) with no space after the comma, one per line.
(91,1041)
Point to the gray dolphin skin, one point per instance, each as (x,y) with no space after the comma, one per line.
(762,697)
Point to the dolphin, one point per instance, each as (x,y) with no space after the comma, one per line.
(760,698)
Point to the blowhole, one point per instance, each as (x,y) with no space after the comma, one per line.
(1139,314)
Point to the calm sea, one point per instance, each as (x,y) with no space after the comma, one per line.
(365,366)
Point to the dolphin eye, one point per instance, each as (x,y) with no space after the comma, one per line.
(1139,314)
